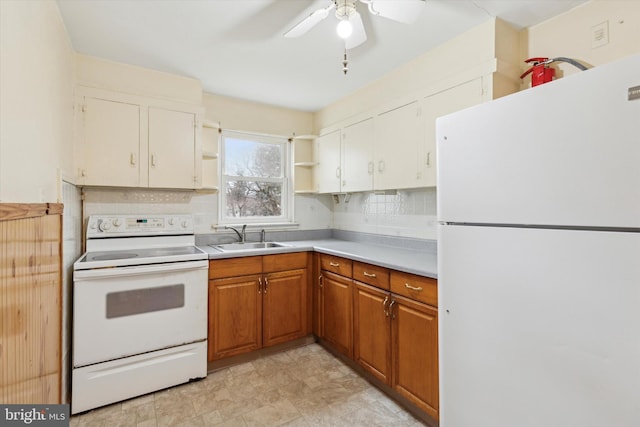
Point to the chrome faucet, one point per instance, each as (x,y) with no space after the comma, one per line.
(242,236)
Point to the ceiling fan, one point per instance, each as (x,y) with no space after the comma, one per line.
(350,26)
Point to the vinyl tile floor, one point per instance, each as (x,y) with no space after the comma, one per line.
(305,386)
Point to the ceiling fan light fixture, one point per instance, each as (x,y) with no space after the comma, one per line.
(344,28)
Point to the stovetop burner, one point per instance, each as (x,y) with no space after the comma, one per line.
(135,240)
(106,256)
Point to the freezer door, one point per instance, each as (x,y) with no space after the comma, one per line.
(538,328)
(563,153)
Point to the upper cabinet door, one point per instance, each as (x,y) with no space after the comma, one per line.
(398,138)
(357,156)
(172,139)
(328,172)
(111,143)
(441,104)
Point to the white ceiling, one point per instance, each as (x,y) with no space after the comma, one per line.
(236,47)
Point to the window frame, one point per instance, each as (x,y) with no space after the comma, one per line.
(286,179)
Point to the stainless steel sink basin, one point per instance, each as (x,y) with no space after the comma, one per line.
(247,246)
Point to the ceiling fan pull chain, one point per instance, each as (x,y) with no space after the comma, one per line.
(345,62)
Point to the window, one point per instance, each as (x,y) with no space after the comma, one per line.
(255,182)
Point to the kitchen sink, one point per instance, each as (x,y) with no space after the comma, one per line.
(247,246)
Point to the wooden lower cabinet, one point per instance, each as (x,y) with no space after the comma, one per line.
(235,316)
(396,334)
(284,305)
(414,332)
(257,302)
(372,331)
(337,315)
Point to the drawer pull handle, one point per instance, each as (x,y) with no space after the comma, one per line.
(413,288)
(368,274)
(334,264)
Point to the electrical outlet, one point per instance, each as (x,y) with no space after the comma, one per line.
(600,35)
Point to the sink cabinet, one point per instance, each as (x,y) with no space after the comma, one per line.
(256,302)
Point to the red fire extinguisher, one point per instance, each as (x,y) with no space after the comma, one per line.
(542,73)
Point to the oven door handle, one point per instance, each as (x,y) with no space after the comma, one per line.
(140,269)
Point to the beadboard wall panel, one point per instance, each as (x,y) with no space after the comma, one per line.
(30,303)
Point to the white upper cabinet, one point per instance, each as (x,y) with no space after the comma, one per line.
(132,141)
(327,172)
(440,104)
(172,148)
(357,157)
(111,149)
(399,135)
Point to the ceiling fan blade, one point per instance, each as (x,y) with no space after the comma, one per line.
(404,11)
(309,22)
(359,35)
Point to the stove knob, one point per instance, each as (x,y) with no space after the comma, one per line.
(172,221)
(185,223)
(117,222)
(93,225)
(105,225)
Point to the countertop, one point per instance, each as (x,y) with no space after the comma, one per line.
(420,262)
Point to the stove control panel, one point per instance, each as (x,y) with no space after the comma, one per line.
(138,225)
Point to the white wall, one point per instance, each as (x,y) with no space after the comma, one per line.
(571,34)
(237,114)
(120,77)
(470,55)
(36,106)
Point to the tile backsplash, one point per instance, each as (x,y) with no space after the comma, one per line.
(311,211)
(404,213)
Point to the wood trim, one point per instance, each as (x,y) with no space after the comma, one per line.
(55,208)
(13,211)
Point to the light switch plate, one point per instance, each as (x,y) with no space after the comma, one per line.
(600,35)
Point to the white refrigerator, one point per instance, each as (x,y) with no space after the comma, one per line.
(539,255)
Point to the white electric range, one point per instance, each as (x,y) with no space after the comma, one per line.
(139,308)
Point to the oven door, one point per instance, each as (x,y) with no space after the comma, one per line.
(124,311)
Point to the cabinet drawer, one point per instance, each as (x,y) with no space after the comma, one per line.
(335,264)
(233,267)
(371,274)
(282,262)
(418,288)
